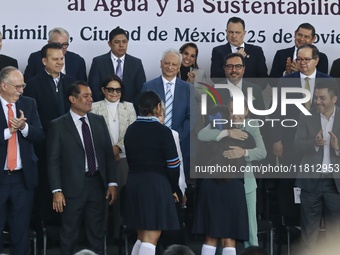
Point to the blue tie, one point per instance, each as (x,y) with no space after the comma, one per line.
(119,71)
(168,105)
(91,160)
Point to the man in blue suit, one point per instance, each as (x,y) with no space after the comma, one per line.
(130,69)
(181,91)
(283,137)
(254,57)
(74,64)
(284,61)
(21,127)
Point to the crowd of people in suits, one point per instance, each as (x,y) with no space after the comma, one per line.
(105,136)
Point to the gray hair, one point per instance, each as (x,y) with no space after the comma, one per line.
(178,249)
(58,30)
(85,252)
(172,51)
(5,72)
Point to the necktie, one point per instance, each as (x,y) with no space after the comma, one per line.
(119,71)
(91,160)
(307,86)
(168,105)
(12,143)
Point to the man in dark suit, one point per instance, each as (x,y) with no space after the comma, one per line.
(21,127)
(284,61)
(74,64)
(282,138)
(335,69)
(234,69)
(49,88)
(317,137)
(6,60)
(81,171)
(130,69)
(181,91)
(254,57)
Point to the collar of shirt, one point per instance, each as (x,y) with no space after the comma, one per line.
(234,48)
(111,104)
(5,108)
(239,84)
(173,81)
(57,78)
(76,117)
(115,58)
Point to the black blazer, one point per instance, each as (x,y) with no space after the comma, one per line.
(307,130)
(7,61)
(133,76)
(335,69)
(255,62)
(35,134)
(75,66)
(279,62)
(287,134)
(66,154)
(43,92)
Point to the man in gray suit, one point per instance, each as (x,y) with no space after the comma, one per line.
(129,69)
(81,171)
(317,137)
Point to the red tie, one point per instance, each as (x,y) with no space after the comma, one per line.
(12,143)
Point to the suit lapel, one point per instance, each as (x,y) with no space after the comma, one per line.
(71,127)
(336,124)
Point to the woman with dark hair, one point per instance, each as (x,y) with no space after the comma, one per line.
(118,115)
(189,70)
(153,176)
(221,212)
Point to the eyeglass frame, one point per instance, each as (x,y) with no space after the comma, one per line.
(17,87)
(306,60)
(64,45)
(231,66)
(111,90)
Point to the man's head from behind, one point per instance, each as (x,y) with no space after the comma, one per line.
(304,34)
(118,42)
(234,67)
(11,84)
(61,36)
(177,249)
(235,31)
(307,59)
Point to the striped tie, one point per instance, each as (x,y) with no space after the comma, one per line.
(307,86)
(89,150)
(119,71)
(168,105)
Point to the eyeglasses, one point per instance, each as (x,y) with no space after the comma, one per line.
(18,87)
(306,60)
(111,90)
(231,67)
(64,45)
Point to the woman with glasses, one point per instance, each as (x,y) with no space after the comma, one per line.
(118,115)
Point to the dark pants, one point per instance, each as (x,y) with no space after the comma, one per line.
(323,201)
(91,206)
(15,208)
